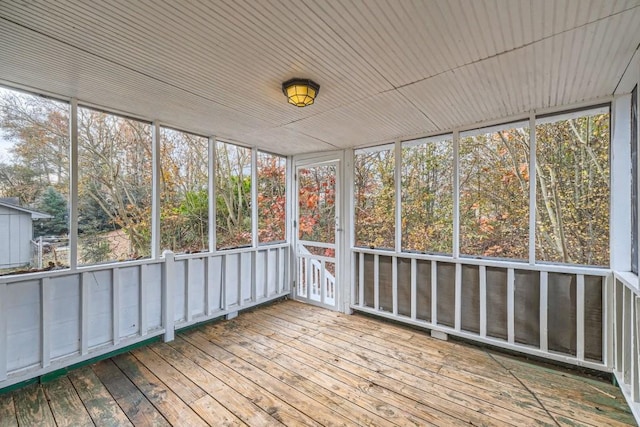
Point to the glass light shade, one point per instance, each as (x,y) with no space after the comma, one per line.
(300,92)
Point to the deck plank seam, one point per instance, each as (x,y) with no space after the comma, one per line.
(525,387)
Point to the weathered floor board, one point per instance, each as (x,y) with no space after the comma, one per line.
(7,411)
(294,364)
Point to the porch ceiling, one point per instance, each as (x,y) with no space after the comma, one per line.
(387,70)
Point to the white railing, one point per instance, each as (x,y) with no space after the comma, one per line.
(626,306)
(55,319)
(315,281)
(555,312)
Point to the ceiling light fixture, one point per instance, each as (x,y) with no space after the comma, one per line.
(300,92)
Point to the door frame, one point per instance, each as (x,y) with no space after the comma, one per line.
(341,236)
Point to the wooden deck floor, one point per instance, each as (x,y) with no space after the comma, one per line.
(294,364)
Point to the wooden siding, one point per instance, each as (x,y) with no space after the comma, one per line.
(295,364)
(16,232)
(387,70)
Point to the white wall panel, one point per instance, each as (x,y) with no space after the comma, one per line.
(215,287)
(232,280)
(245,276)
(153,297)
(23,324)
(179,288)
(101,307)
(65,315)
(272,273)
(129,301)
(261,272)
(196,287)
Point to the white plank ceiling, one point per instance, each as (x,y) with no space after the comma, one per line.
(387,69)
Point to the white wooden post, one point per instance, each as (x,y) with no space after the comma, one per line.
(168,281)
(414,290)
(618,307)
(580,317)
(457,311)
(633,356)
(212,193)
(45,322)
(254,225)
(510,305)
(456,195)
(155,197)
(208,285)
(608,318)
(626,334)
(620,218)
(361,280)
(84,313)
(394,285)
(544,302)
(398,190)
(115,287)
(482,271)
(434,292)
(532,188)
(376,282)
(143,319)
(73,184)
(187,289)
(323,282)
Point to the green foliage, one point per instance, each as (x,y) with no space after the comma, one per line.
(572,215)
(427,197)
(53,203)
(185,226)
(233,196)
(375,199)
(494,194)
(95,249)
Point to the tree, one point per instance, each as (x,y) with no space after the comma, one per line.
(272,193)
(572,213)
(427,197)
(53,203)
(38,128)
(184,201)
(375,199)
(494,194)
(114,158)
(233,195)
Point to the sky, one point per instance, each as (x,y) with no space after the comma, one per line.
(5,143)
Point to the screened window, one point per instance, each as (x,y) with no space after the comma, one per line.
(494,192)
(184,199)
(34,182)
(233,196)
(317,203)
(272,197)
(375,197)
(114,187)
(427,195)
(572,213)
